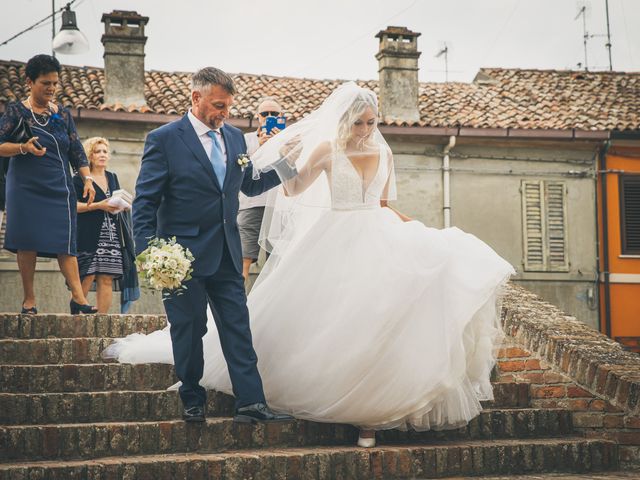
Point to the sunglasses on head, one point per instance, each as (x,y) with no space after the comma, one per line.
(269,114)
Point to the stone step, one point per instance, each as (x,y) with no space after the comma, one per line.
(53,350)
(123,406)
(619,475)
(46,351)
(93,440)
(108,406)
(451,459)
(74,326)
(85,377)
(509,395)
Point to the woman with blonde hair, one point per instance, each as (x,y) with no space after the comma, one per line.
(104,233)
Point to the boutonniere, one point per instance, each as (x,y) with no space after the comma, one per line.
(243,160)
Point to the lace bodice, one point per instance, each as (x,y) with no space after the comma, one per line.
(59,134)
(349,191)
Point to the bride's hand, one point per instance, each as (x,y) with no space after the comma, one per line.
(291,150)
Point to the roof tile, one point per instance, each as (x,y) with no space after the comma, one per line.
(498,98)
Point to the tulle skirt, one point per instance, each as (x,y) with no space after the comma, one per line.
(370,321)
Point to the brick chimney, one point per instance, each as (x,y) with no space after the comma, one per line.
(124,42)
(398,73)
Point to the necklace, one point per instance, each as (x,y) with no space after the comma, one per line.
(34,115)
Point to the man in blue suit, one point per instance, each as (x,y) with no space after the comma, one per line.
(188,188)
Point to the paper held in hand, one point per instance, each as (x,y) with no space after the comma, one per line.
(121,199)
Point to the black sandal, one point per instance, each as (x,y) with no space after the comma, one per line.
(29,311)
(76,309)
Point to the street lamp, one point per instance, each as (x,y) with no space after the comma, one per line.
(70,40)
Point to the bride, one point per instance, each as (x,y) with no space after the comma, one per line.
(360,315)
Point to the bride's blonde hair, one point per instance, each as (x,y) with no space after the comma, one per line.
(366,99)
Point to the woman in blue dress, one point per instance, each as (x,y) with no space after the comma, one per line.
(40,197)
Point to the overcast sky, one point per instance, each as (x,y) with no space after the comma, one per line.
(335,38)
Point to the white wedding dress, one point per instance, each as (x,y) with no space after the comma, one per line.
(366,319)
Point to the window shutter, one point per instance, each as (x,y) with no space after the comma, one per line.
(556,226)
(544,220)
(533,225)
(630,214)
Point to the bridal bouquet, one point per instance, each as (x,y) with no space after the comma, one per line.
(165,265)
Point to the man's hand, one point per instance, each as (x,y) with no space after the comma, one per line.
(263,136)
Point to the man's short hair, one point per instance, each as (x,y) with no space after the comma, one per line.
(209,76)
(268,99)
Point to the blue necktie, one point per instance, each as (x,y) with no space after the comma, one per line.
(217,158)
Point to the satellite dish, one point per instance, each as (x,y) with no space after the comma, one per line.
(70,40)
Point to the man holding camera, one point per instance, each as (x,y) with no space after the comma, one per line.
(252,208)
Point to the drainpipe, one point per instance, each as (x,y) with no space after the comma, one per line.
(605,238)
(446,183)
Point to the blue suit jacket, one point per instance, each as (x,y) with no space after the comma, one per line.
(178,194)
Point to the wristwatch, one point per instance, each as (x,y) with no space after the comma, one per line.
(88,177)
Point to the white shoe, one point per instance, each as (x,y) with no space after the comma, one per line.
(366,442)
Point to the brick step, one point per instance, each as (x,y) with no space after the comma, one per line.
(496,457)
(85,377)
(89,377)
(93,440)
(619,475)
(54,350)
(74,326)
(47,351)
(109,406)
(122,406)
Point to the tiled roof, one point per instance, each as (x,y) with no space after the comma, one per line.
(498,98)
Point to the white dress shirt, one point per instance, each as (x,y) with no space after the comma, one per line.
(202,131)
(261,200)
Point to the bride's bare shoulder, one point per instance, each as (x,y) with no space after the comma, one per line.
(322,153)
(324,148)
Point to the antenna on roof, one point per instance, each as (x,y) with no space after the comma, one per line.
(584,9)
(444,51)
(608,44)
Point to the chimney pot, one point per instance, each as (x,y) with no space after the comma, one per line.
(124,42)
(398,74)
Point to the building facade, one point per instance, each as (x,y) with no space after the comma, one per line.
(512,157)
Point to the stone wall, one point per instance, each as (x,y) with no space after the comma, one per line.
(485,197)
(572,366)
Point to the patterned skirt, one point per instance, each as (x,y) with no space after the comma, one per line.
(107,259)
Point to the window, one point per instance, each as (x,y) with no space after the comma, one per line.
(630,214)
(544,226)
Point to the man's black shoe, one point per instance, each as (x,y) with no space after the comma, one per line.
(193,414)
(259,413)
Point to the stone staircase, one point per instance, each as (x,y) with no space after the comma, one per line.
(67,414)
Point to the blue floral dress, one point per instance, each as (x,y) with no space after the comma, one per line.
(40,197)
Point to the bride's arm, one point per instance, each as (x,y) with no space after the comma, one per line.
(385,193)
(403,217)
(315,165)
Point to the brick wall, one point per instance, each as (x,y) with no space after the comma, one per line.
(569,365)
